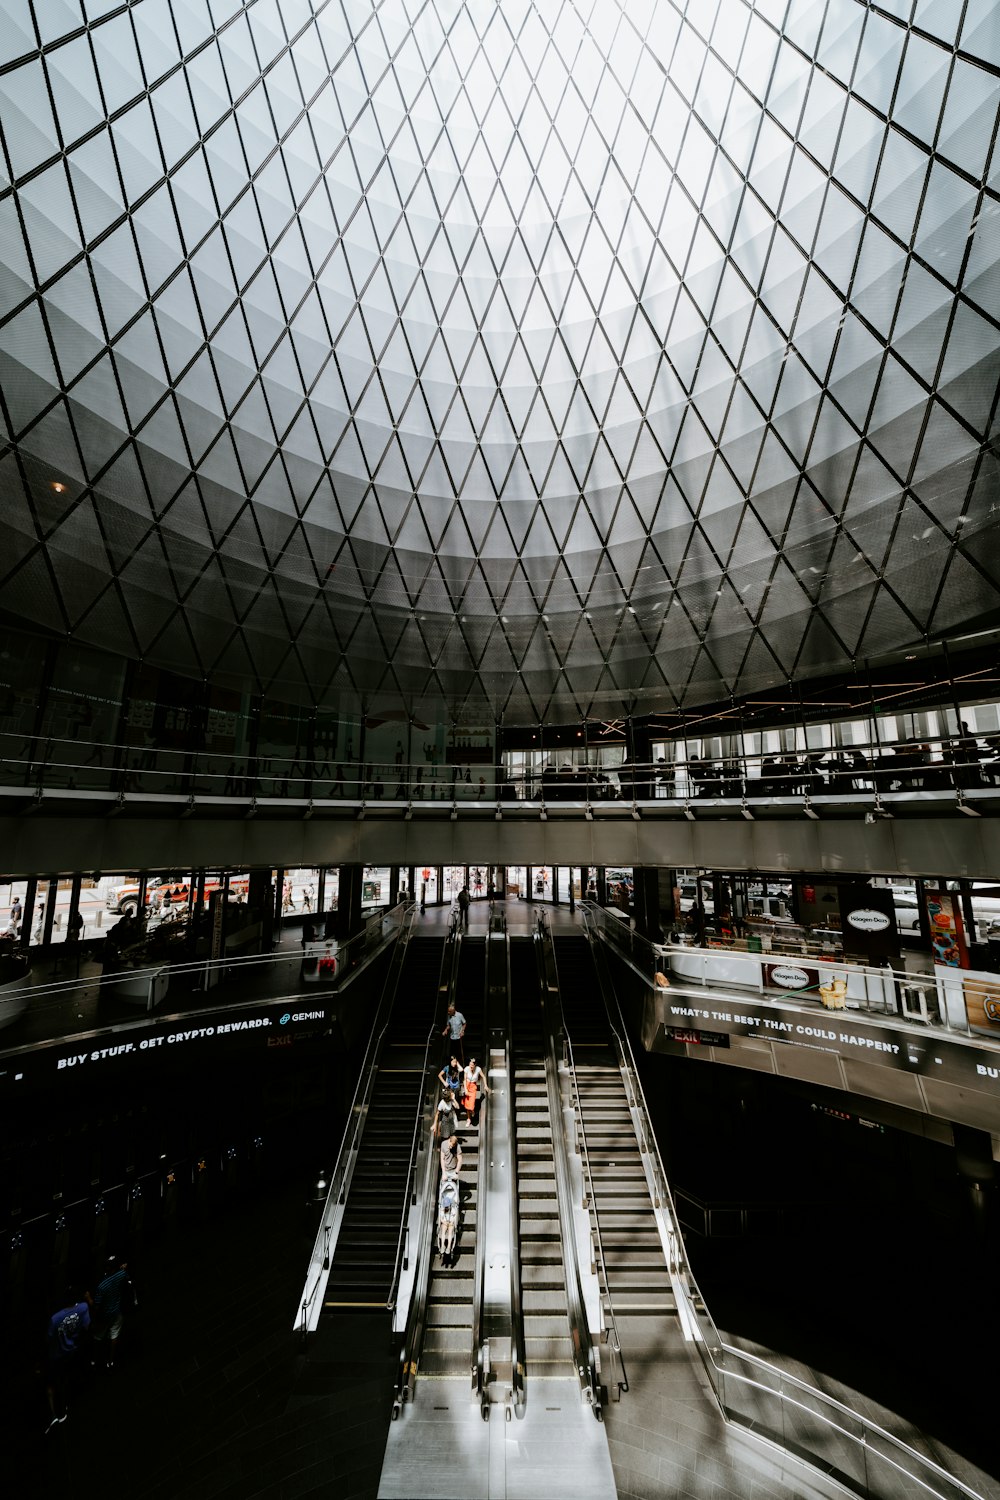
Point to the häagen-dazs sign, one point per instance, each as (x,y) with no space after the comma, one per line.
(788,977)
(867,919)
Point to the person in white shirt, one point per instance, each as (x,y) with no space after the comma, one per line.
(473,1079)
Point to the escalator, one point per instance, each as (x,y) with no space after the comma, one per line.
(547,1346)
(364,1260)
(447,1342)
(637,1279)
(470,993)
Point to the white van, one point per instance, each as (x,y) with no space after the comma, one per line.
(907,909)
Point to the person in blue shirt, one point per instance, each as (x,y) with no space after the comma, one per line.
(67,1332)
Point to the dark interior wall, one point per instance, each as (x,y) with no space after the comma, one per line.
(862,1256)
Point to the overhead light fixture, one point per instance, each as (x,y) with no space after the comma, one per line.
(454,813)
(498,815)
(747,813)
(637,815)
(60,489)
(408,813)
(688,813)
(251,811)
(543,816)
(810,811)
(361,813)
(192,803)
(308,812)
(588,813)
(970,812)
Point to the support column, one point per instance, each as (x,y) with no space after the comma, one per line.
(349,919)
(646,897)
(260,901)
(974,1160)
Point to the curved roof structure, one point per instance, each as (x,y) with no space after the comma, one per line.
(551,358)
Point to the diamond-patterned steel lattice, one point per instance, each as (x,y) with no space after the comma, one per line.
(561,358)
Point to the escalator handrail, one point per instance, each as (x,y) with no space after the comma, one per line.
(478,1348)
(713,1345)
(592,1196)
(413,1337)
(584,1353)
(425,1193)
(417,1139)
(324,1245)
(509,1152)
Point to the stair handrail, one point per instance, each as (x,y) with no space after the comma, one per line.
(678,1263)
(326,1240)
(716,1354)
(479,1352)
(413,1337)
(615,1340)
(585,1355)
(418,1139)
(517,1347)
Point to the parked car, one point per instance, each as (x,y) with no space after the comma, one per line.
(162,891)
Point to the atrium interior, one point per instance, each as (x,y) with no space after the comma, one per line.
(500,506)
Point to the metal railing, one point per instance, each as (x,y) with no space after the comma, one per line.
(618,1382)
(419,1138)
(808,1423)
(200,975)
(949,765)
(901,997)
(421,1190)
(585,1354)
(518,1358)
(329,1226)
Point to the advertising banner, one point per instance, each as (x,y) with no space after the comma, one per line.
(202,1033)
(868,923)
(788,975)
(944,917)
(982,1004)
(967,1063)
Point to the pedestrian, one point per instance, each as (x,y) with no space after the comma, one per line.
(40,924)
(115,1296)
(286,896)
(473,1079)
(463,906)
(16,913)
(446,1116)
(451,1156)
(454,1029)
(450,1076)
(307,897)
(67,1332)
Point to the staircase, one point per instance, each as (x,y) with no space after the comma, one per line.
(364,1260)
(543,1283)
(447,1346)
(637,1277)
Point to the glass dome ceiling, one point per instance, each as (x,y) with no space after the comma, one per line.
(553,358)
